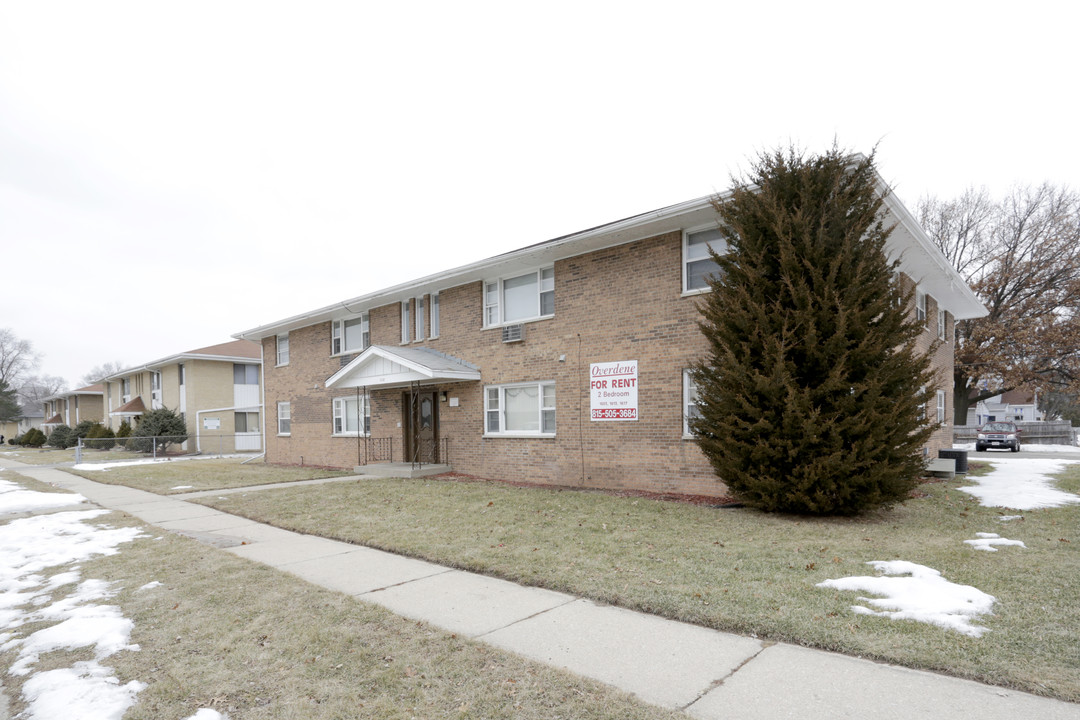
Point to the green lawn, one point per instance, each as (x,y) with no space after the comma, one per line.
(734,569)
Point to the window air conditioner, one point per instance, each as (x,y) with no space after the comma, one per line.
(513,333)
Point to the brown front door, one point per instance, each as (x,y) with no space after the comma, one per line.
(420,423)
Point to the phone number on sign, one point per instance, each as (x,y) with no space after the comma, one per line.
(615,414)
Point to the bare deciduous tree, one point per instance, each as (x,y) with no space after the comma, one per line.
(100,372)
(17,358)
(1021,256)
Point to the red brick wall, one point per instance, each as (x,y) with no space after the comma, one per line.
(621,303)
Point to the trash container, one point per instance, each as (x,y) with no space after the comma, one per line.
(960,456)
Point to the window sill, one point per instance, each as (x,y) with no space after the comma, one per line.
(693,293)
(520,322)
(535,436)
(282,365)
(284,434)
(348,352)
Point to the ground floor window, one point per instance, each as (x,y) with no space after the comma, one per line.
(246,422)
(284,418)
(350,415)
(520,409)
(690,401)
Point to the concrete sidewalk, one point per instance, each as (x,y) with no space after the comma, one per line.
(705,673)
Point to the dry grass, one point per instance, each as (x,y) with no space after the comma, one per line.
(183,476)
(225,633)
(734,569)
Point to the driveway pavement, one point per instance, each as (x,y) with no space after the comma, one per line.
(704,673)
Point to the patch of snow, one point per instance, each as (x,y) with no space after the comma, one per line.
(182,487)
(1022,484)
(1026,447)
(1008,518)
(923,595)
(87,686)
(207,714)
(29,549)
(147,461)
(986,541)
(149,585)
(14,498)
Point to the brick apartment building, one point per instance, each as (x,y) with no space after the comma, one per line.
(561,363)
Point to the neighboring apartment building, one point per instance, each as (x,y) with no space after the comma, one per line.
(562,363)
(31,416)
(71,407)
(217,390)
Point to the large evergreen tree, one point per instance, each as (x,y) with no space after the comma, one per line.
(9,403)
(812,394)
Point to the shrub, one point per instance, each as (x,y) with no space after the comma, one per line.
(61,437)
(163,424)
(100,437)
(33,438)
(125,430)
(83,429)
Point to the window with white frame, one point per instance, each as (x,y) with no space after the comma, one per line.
(350,335)
(434,315)
(246,422)
(523,297)
(419,319)
(283,349)
(920,306)
(352,416)
(690,401)
(520,409)
(125,390)
(941,406)
(155,389)
(284,418)
(941,323)
(698,264)
(405,322)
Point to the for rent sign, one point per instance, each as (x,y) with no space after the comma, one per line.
(613,390)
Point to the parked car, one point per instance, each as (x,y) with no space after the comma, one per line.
(998,435)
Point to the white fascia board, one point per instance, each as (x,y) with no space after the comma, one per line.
(931,269)
(172,359)
(620,232)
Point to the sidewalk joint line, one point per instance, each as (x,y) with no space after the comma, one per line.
(405,582)
(765,645)
(528,617)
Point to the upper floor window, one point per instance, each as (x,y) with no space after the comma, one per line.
(941,406)
(406,327)
(920,306)
(352,335)
(524,297)
(180,373)
(419,319)
(698,265)
(350,414)
(245,374)
(941,323)
(434,315)
(283,349)
(522,409)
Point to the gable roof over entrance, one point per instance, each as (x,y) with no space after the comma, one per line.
(382,366)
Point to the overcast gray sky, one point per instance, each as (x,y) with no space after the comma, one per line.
(173,173)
